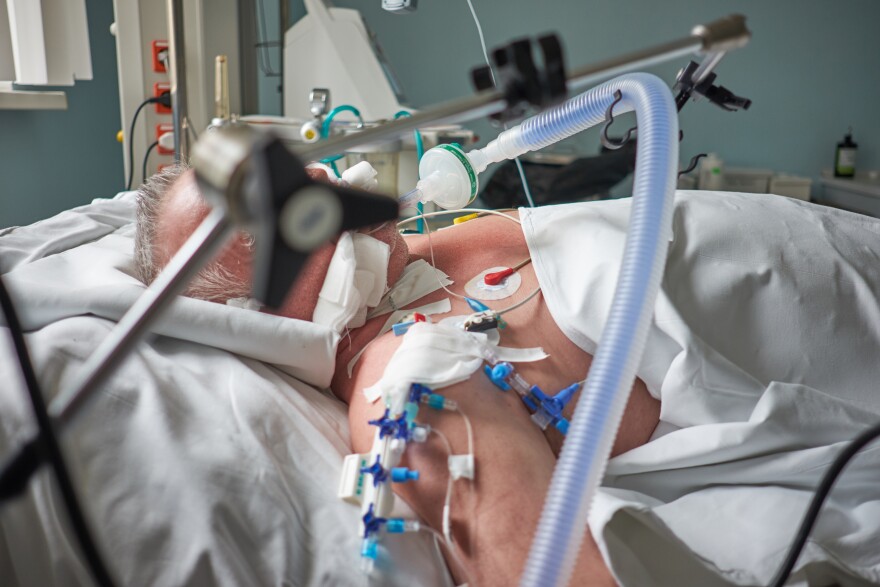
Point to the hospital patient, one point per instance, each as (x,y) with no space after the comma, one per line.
(492,521)
(763,351)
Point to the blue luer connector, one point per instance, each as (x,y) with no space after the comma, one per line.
(566,394)
(436,401)
(396,526)
(401,329)
(499,374)
(476,306)
(403,474)
(369,549)
(562,426)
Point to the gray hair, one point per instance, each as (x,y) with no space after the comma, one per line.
(214,283)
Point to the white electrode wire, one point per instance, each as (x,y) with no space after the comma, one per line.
(446,524)
(522,302)
(519,166)
(482,40)
(434,264)
(470,430)
(444,439)
(522,177)
(468,577)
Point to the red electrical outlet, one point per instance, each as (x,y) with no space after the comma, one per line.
(161,129)
(158,48)
(160,88)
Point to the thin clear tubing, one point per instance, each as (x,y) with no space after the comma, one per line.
(409,199)
(585,453)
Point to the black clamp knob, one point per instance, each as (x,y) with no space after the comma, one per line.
(718,95)
(294,215)
(523,83)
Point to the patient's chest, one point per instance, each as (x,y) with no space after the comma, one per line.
(463,252)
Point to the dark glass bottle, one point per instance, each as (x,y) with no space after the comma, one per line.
(845,157)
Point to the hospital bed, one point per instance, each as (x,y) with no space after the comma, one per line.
(211,457)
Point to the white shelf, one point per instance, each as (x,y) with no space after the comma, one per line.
(861,193)
(21,100)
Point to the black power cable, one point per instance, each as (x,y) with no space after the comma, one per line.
(147,158)
(165,100)
(46,446)
(821,494)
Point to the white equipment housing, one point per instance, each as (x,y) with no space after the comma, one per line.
(332,48)
(42,43)
(211,30)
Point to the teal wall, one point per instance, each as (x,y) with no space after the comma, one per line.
(55,160)
(810,69)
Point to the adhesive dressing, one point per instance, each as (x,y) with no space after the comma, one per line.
(440,307)
(245,303)
(419,279)
(438,356)
(478,288)
(356,279)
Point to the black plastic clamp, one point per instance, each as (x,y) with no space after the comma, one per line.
(718,95)
(523,83)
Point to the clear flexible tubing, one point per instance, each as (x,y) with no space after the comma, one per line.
(584,455)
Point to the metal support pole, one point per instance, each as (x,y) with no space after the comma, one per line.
(177,77)
(284,8)
(721,35)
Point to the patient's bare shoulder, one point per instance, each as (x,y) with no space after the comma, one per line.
(462,252)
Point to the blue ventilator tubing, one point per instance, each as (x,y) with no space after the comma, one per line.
(591,433)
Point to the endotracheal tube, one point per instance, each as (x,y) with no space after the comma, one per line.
(449,178)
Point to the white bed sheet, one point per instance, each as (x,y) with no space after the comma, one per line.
(764,353)
(207,459)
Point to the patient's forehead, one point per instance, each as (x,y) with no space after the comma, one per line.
(180,212)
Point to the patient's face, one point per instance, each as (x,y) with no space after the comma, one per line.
(183,209)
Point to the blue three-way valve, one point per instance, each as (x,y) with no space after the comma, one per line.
(546,409)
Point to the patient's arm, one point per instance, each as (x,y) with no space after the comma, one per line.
(493,517)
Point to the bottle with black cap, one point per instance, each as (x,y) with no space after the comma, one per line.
(845,157)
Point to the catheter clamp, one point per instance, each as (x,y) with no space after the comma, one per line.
(388,426)
(380,475)
(372,523)
(523,83)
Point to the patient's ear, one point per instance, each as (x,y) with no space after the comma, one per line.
(317,173)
